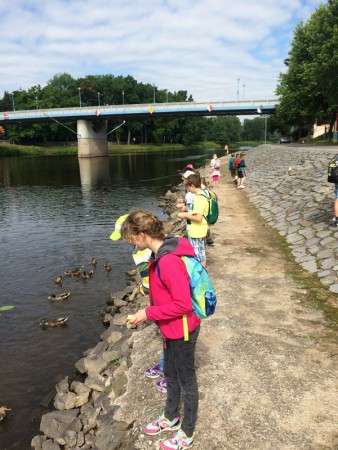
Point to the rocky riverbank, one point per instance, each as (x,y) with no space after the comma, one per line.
(266,377)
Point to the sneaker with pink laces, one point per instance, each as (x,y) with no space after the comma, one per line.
(179,442)
(160,424)
(161,385)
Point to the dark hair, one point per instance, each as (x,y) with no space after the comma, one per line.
(194,180)
(142,221)
(232,154)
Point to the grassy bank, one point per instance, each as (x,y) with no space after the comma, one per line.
(71,150)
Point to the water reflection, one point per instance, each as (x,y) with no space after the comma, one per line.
(94,172)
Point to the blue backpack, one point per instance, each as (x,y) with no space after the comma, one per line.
(203,295)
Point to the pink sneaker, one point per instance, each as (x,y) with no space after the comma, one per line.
(179,442)
(161,385)
(160,424)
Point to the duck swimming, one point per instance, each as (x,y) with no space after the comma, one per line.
(73,273)
(58,280)
(60,322)
(59,297)
(93,261)
(3,412)
(86,275)
(107,266)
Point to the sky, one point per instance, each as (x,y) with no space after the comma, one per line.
(217,50)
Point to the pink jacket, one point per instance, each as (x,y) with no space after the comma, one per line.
(169,294)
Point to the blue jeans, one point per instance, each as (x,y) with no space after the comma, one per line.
(161,362)
(179,372)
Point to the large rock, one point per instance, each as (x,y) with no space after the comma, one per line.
(55,423)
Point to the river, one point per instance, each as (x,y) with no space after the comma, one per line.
(56,213)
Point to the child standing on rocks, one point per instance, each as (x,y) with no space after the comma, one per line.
(169,300)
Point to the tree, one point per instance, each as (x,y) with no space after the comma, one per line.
(225,129)
(309,87)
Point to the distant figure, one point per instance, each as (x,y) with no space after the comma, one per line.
(232,167)
(241,170)
(215,165)
(226,149)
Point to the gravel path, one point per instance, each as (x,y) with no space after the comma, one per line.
(267,375)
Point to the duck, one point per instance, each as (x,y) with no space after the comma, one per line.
(73,273)
(93,261)
(86,275)
(107,266)
(60,297)
(58,280)
(59,322)
(3,412)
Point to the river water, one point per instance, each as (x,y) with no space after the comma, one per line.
(56,213)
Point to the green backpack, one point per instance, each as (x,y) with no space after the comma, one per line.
(213,212)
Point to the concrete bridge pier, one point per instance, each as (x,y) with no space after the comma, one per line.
(92,138)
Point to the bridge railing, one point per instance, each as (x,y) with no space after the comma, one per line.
(75,111)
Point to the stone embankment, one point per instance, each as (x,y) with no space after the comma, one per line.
(288,184)
(266,364)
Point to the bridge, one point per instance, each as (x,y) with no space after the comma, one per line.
(91,120)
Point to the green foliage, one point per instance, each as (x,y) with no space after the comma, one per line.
(308,89)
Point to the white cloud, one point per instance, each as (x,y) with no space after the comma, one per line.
(195,45)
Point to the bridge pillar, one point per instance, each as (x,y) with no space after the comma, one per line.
(92,138)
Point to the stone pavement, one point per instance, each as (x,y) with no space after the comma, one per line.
(288,184)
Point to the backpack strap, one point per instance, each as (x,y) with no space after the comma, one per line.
(184,317)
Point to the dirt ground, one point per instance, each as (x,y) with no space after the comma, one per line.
(267,376)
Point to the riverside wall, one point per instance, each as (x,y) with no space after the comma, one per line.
(288,184)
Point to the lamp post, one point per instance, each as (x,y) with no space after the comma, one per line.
(123,98)
(13,101)
(80,103)
(265,127)
(36,103)
(243,90)
(166,91)
(98,98)
(238,79)
(154,93)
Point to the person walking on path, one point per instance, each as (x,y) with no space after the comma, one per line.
(241,169)
(215,165)
(170,299)
(232,167)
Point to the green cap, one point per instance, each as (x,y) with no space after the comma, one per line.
(116,234)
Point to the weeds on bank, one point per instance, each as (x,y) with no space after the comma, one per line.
(316,295)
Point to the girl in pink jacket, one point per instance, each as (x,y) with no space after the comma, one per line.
(170,298)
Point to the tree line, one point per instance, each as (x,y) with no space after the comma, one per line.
(93,90)
(308,89)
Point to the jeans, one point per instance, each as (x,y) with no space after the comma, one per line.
(161,362)
(179,372)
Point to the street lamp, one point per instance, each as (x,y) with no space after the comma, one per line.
(243,90)
(123,98)
(98,98)
(266,127)
(238,89)
(80,102)
(154,93)
(13,101)
(166,91)
(36,103)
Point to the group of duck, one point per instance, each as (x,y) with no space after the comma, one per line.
(77,272)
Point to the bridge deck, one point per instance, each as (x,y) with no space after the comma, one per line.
(140,111)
